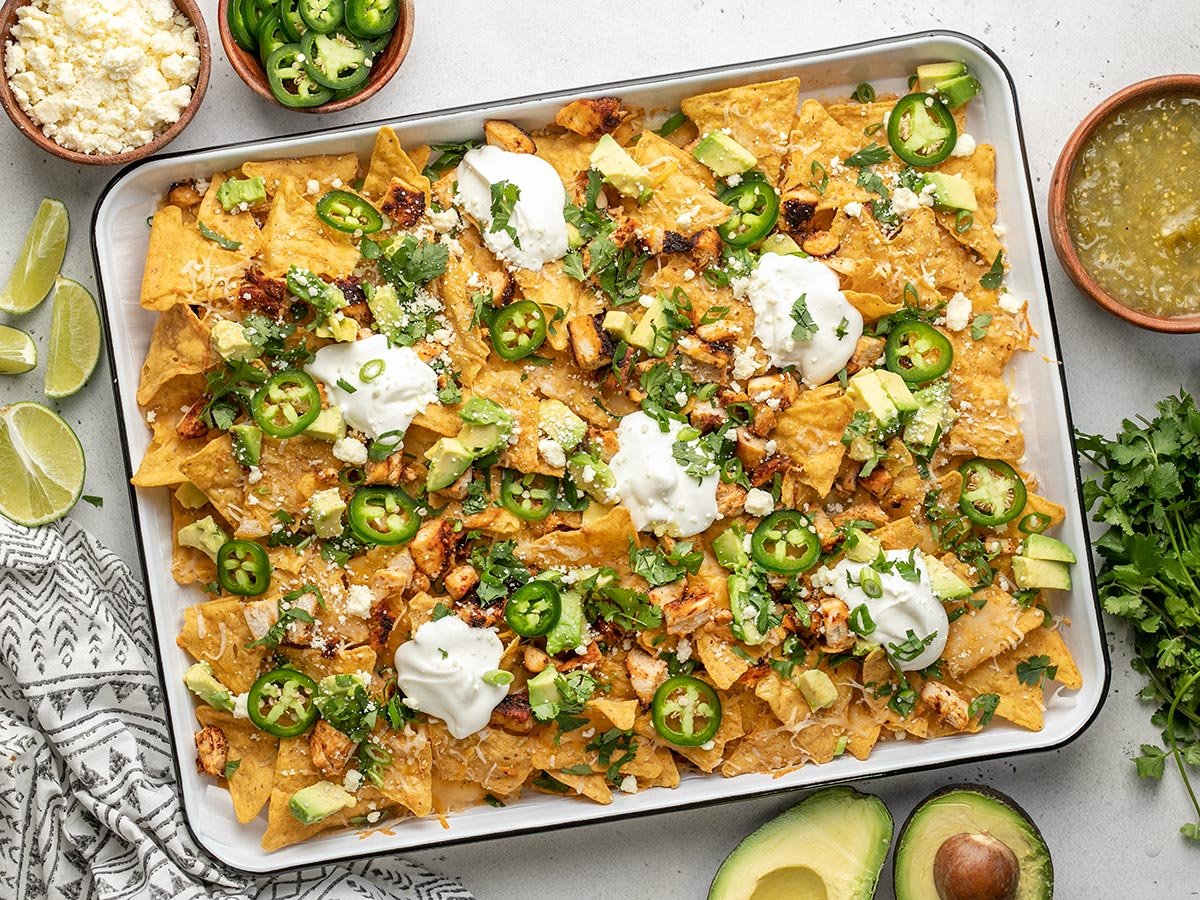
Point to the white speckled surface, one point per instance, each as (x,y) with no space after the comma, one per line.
(1110,835)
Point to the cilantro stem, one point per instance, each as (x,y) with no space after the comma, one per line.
(1187,782)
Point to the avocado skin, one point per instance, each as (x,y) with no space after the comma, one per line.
(903,851)
(739,875)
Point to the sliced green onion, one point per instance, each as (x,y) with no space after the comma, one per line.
(346,386)
(498,677)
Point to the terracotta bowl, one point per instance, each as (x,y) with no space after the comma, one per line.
(1060,230)
(387,64)
(31,130)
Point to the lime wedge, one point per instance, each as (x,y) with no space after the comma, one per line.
(17,351)
(40,259)
(74,339)
(41,464)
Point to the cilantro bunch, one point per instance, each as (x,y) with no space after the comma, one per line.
(1147,490)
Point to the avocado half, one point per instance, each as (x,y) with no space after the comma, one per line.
(830,846)
(969,809)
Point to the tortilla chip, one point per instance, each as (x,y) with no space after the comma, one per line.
(679,203)
(495,759)
(982,634)
(568,153)
(986,425)
(862,731)
(979,170)
(657,154)
(469,351)
(294,769)
(317,664)
(723,665)
(295,236)
(817,137)
(810,432)
(560,296)
(920,254)
(408,779)
(216,632)
(182,266)
(904,534)
(758,116)
(254,752)
(327,171)
(872,306)
(1049,642)
(784,698)
(160,464)
(620,713)
(388,161)
(601,542)
(179,345)
(236,226)
(1019,703)
(189,565)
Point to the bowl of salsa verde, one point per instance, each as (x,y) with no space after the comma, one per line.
(1125,204)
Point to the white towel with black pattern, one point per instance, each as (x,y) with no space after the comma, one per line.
(88,801)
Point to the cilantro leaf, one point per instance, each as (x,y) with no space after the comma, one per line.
(505,195)
(806,327)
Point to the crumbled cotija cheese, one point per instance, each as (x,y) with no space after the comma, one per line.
(102,78)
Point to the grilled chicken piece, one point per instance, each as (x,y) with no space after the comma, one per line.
(867,352)
(402,204)
(514,714)
(797,208)
(184,195)
(330,749)
(717,355)
(646,673)
(688,612)
(460,581)
(212,751)
(389,470)
(508,136)
(261,616)
(587,660)
(591,117)
(731,499)
(393,580)
(535,659)
(870,512)
(590,343)
(949,705)
(190,425)
(878,483)
(707,416)
(834,617)
(751,449)
(433,546)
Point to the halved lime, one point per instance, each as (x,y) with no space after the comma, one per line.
(41,464)
(18,353)
(74,339)
(40,259)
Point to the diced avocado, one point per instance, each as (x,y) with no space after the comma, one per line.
(481,440)
(954,92)
(574,237)
(384,304)
(946,585)
(897,389)
(831,845)
(730,549)
(1041,573)
(247,444)
(543,692)
(781,244)
(982,818)
(204,535)
(594,512)
(338,327)
(861,547)
(568,633)
(559,423)
(724,155)
(952,191)
(745,612)
(648,333)
(932,74)
(818,689)
(482,411)
(448,459)
(229,340)
(591,475)
(319,801)
(619,324)
(932,416)
(1040,546)
(190,496)
(199,679)
(326,508)
(869,394)
(329,425)
(233,192)
(619,168)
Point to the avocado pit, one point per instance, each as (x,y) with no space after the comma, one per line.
(975,866)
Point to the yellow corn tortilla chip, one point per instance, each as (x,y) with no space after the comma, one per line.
(189,565)
(328,171)
(295,236)
(657,154)
(904,534)
(817,137)
(294,769)
(872,306)
(569,154)
(986,425)
(317,664)
(235,226)
(182,266)
(979,170)
(862,731)
(408,779)
(723,665)
(620,713)
(810,432)
(495,759)
(179,345)
(216,632)
(388,161)
(1049,642)
(758,116)
(594,787)
(920,253)
(254,752)
(982,634)
(784,698)
(469,350)
(601,542)
(160,464)
(679,203)
(1019,703)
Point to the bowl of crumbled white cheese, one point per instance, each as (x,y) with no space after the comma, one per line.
(102,83)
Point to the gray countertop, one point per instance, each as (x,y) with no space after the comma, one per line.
(1111,836)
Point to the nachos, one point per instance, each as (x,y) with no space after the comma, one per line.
(579,459)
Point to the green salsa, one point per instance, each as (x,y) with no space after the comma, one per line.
(1133,205)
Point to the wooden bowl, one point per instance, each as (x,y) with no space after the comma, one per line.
(1060,231)
(31,130)
(249,68)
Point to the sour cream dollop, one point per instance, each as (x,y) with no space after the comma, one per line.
(658,492)
(441,673)
(388,402)
(773,288)
(904,606)
(537,216)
